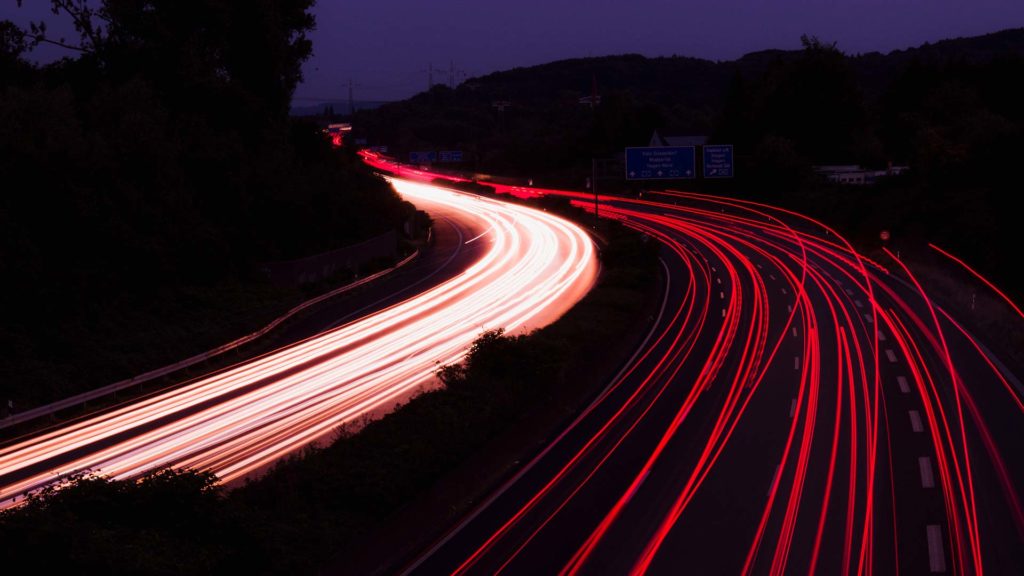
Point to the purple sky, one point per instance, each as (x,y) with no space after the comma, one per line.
(386,46)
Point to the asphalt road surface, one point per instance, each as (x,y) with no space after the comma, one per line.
(530,268)
(797,409)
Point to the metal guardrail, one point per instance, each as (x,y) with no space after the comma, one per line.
(48,409)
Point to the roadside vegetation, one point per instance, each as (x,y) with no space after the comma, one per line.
(510,393)
(950,110)
(147,176)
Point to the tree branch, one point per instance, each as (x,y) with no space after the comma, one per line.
(44,39)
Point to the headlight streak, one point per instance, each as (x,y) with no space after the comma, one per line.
(534,268)
(821,276)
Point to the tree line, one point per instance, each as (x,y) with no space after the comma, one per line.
(951,111)
(144,177)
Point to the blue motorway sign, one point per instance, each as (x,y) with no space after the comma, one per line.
(660,163)
(718,161)
(449,156)
(422,157)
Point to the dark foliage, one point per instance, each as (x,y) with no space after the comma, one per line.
(315,505)
(167,522)
(951,111)
(145,179)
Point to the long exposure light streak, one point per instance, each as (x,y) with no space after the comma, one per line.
(534,268)
(770,314)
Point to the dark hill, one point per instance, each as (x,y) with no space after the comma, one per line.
(951,110)
(673,94)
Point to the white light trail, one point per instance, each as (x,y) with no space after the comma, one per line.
(232,423)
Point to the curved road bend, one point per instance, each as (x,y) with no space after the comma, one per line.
(531,269)
(800,410)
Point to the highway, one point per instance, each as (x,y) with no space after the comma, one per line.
(528,268)
(798,408)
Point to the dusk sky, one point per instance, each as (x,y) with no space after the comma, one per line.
(386,47)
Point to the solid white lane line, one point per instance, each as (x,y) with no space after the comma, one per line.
(915,421)
(936,555)
(904,386)
(890,355)
(927,477)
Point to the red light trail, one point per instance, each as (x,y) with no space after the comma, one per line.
(687,462)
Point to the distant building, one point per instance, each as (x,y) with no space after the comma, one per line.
(855,175)
(659,141)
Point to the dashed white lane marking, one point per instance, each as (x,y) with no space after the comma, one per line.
(784,291)
(881,336)
(869,318)
(719,280)
(849,292)
(858,303)
(904,386)
(759,267)
(927,478)
(890,355)
(794,332)
(723,312)
(713,269)
(792,408)
(936,555)
(772,276)
(915,421)
(789,307)
(721,295)
(796,363)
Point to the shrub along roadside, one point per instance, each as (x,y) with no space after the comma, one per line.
(325,500)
